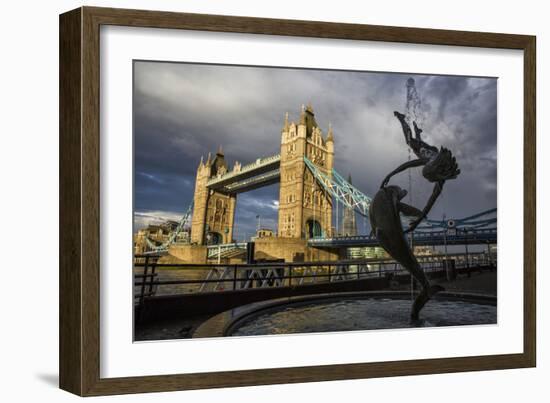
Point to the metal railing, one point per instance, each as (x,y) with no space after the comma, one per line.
(233,277)
(214,251)
(146,283)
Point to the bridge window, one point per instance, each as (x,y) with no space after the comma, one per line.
(291,148)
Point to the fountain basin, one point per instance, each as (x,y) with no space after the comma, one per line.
(348,312)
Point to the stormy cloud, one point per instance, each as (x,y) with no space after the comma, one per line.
(184,111)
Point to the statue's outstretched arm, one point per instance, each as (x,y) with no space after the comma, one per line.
(405,126)
(431,201)
(401,168)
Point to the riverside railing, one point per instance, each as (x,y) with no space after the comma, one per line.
(195,278)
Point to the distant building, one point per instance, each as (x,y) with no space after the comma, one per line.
(366,252)
(264,233)
(140,244)
(349,224)
(377,252)
(157,234)
(424,251)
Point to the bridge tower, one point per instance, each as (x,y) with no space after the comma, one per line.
(305,209)
(213,212)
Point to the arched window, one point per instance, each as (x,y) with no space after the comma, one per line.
(313,229)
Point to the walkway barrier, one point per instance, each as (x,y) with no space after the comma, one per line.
(199,278)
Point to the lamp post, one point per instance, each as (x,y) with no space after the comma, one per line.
(313,201)
(467,253)
(489,257)
(447,271)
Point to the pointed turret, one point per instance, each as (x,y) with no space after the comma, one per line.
(220,151)
(330,135)
(209,160)
(285,128)
(303,115)
(307,119)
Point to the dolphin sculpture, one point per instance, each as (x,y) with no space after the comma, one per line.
(385,219)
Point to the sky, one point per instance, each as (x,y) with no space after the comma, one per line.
(184,111)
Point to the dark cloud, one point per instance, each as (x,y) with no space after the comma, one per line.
(183,111)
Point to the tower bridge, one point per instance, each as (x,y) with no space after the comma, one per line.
(305,205)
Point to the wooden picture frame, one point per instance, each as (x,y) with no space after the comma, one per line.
(79,200)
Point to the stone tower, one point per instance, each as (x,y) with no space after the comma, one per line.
(305,209)
(349,225)
(213,212)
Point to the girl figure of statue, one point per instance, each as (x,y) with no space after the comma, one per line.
(439,165)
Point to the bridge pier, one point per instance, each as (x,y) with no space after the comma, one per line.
(272,248)
(189,253)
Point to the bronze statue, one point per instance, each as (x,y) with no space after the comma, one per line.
(386,208)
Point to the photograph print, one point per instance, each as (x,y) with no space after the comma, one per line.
(274,200)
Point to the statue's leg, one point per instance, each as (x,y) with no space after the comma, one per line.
(409,210)
(401,168)
(438,187)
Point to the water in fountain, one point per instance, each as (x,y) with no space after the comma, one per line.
(364,314)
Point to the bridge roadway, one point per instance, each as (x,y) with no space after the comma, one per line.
(262,172)
(458,237)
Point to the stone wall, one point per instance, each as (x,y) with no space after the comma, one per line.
(189,253)
(291,250)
